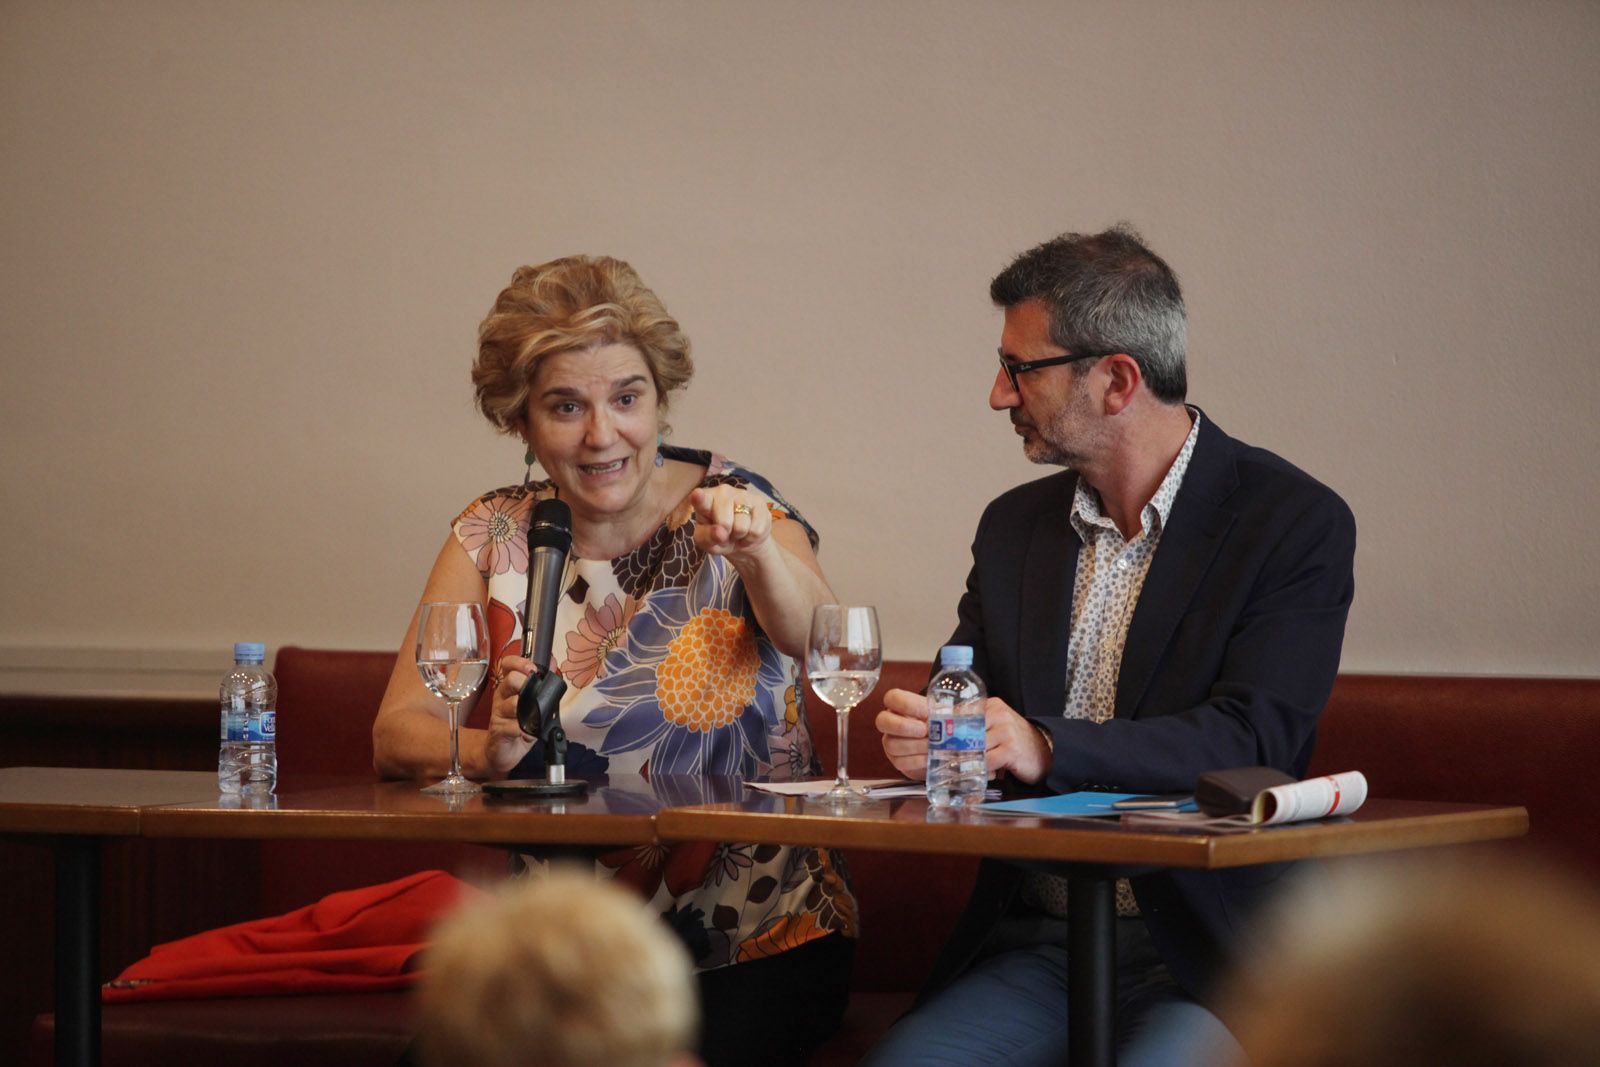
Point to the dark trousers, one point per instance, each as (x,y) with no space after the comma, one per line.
(775,1010)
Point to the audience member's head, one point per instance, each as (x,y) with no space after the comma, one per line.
(1426,962)
(563,971)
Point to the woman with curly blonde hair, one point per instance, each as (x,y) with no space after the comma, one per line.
(685,604)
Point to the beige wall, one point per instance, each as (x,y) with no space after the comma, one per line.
(244,248)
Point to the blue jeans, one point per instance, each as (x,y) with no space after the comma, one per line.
(1010,1008)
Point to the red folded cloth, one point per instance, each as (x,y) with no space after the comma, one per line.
(360,940)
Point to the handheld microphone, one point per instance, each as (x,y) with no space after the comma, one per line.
(539,704)
(549,539)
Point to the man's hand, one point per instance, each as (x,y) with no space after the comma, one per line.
(903,722)
(1014,744)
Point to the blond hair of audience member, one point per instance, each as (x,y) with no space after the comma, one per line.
(1425,962)
(558,971)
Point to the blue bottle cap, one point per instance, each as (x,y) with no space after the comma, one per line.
(249,652)
(955,656)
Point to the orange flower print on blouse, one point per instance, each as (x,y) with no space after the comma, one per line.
(709,674)
(780,935)
(505,631)
(601,631)
(494,532)
(791,708)
(697,686)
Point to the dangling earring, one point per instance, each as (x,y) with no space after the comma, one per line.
(661,460)
(531,459)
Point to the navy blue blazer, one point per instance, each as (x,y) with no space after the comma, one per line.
(1230,657)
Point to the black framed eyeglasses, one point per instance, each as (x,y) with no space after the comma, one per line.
(1016,367)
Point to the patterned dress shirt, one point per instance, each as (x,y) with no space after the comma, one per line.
(1111,573)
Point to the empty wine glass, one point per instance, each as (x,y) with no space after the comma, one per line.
(843,658)
(453,657)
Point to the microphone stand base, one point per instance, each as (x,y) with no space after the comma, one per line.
(525,788)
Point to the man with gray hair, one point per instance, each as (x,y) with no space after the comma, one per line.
(1173,603)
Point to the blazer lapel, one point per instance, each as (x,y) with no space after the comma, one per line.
(1195,530)
(1045,619)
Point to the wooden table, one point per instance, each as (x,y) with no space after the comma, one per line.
(79,808)
(1091,853)
(611,815)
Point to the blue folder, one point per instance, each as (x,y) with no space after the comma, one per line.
(1068,804)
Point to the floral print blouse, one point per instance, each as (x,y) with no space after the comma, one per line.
(669,675)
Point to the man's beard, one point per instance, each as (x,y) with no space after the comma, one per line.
(1060,443)
(1041,449)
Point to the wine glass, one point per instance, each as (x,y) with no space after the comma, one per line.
(843,658)
(453,657)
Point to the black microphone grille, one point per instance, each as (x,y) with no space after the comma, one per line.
(551,525)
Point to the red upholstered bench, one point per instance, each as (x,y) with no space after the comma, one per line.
(335,1030)
(1476,739)
(1496,740)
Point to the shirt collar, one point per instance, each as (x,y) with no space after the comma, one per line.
(1086,513)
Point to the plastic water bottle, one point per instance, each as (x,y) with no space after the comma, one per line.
(247,763)
(958,769)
